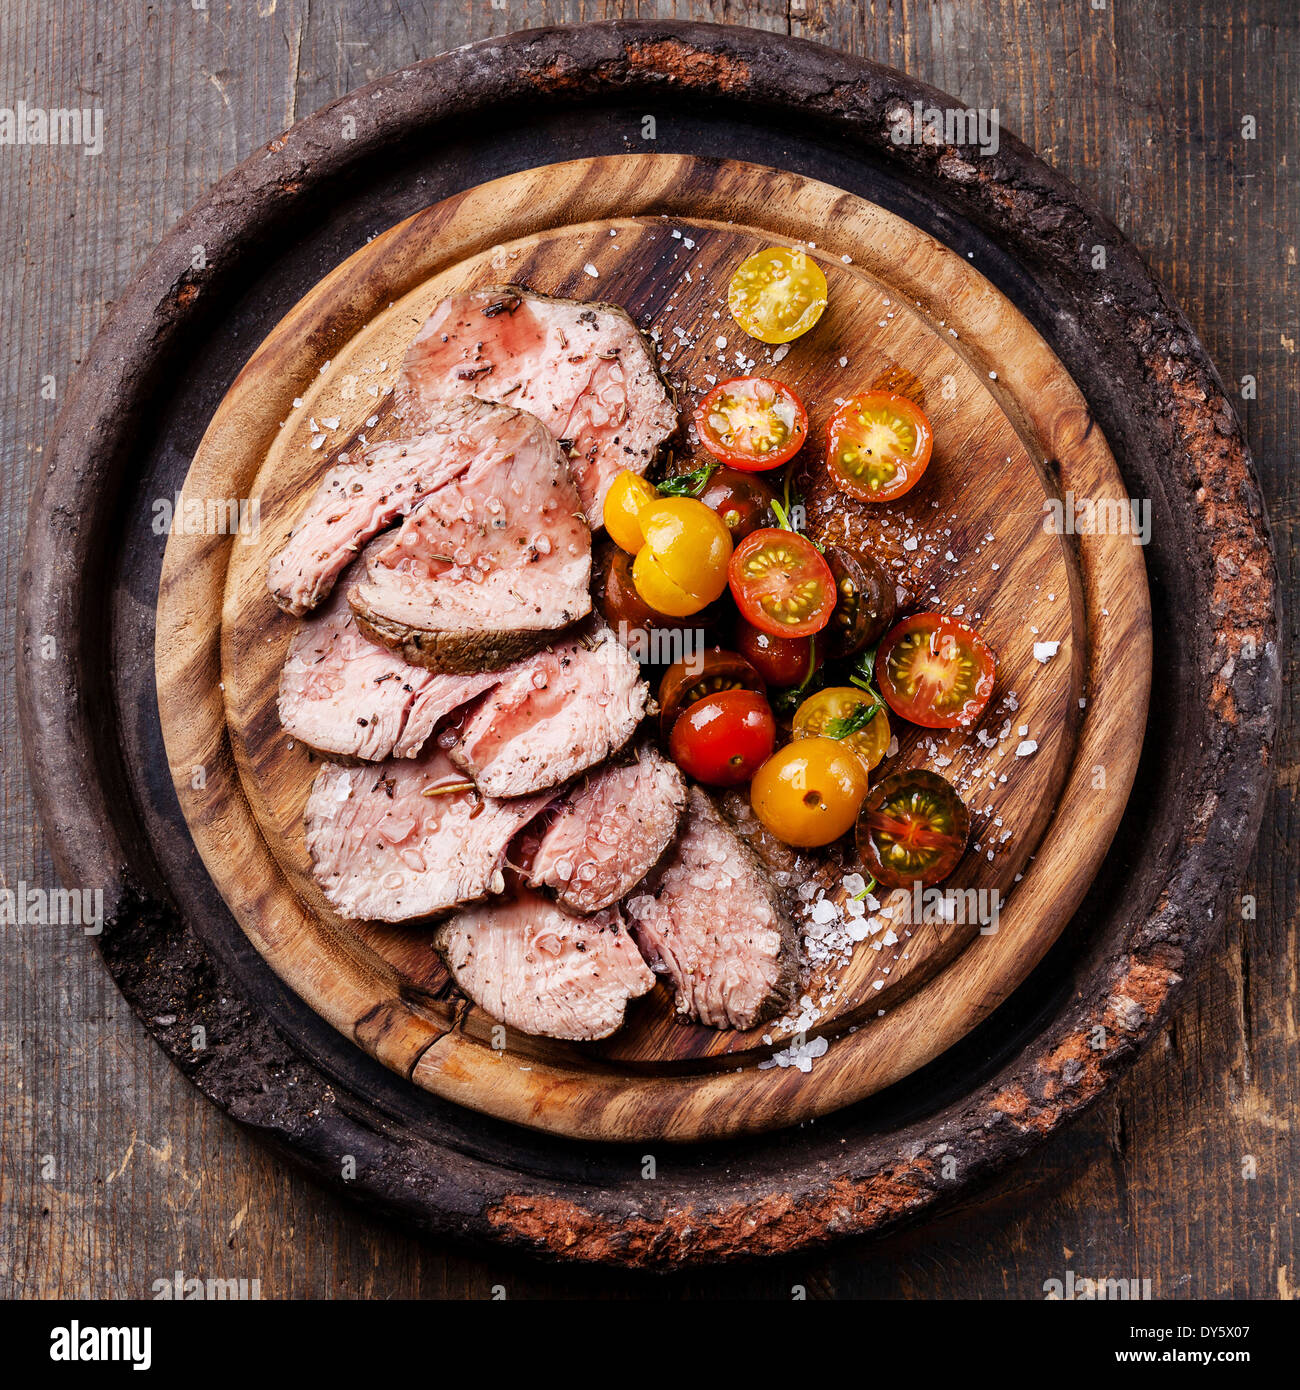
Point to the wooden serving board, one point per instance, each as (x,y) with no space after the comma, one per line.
(661,235)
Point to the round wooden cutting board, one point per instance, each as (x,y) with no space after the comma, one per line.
(1046,776)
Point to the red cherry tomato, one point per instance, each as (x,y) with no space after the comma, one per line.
(936,671)
(781,661)
(878,445)
(752,423)
(724,739)
(781,583)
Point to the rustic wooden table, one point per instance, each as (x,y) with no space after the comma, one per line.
(1182,120)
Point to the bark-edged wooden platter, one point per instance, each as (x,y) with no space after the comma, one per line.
(660,235)
(132,421)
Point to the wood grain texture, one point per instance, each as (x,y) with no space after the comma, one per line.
(1140,105)
(662,234)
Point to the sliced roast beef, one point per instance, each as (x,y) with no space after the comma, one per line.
(553,717)
(358,499)
(583,369)
(713,922)
(343,694)
(491,565)
(610,831)
(539,970)
(409,839)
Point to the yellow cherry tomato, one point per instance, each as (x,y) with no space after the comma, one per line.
(686,552)
(834,713)
(658,590)
(627,495)
(776,295)
(809,792)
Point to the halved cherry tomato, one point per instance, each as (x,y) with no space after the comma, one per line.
(752,423)
(682,567)
(781,584)
(878,445)
(776,295)
(936,671)
(723,739)
(840,712)
(684,682)
(809,792)
(781,661)
(865,601)
(743,501)
(912,828)
(627,495)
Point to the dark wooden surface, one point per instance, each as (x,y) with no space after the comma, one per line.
(114,1173)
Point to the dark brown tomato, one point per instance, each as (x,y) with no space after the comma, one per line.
(710,673)
(620,604)
(912,828)
(781,661)
(743,501)
(865,601)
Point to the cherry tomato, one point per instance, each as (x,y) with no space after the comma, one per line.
(809,793)
(865,601)
(912,828)
(682,567)
(723,739)
(781,661)
(839,712)
(627,495)
(615,593)
(684,682)
(743,501)
(776,295)
(936,671)
(781,584)
(752,423)
(878,445)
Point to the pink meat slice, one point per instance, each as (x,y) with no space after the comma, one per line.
(583,369)
(492,564)
(358,499)
(610,831)
(543,972)
(343,694)
(713,922)
(549,720)
(388,843)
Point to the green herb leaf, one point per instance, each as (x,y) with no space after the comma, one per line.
(848,724)
(687,484)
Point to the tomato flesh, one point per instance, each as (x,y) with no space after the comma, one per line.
(778,294)
(913,828)
(835,713)
(935,671)
(781,661)
(781,583)
(752,423)
(878,446)
(723,739)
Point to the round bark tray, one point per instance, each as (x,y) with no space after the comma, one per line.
(661,234)
(152,383)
